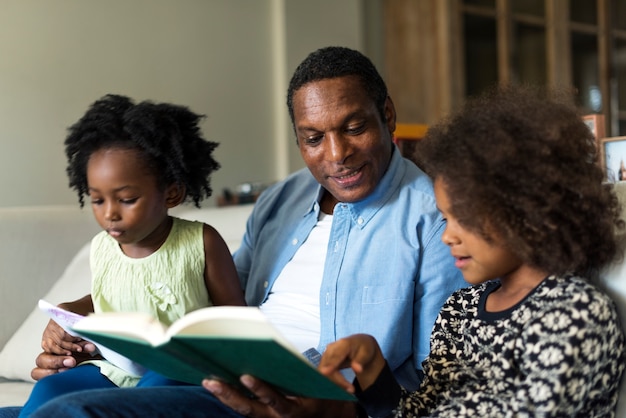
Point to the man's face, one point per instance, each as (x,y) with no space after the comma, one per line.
(342,139)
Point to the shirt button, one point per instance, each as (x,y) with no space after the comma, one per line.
(360,221)
(265,284)
(294,241)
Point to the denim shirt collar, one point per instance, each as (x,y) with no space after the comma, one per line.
(363,210)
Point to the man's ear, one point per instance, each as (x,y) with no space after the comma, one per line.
(175,195)
(390,115)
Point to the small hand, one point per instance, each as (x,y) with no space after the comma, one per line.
(56,340)
(359,352)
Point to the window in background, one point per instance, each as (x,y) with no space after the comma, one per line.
(618,83)
(466,46)
(581,44)
(481,55)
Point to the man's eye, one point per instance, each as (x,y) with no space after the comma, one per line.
(311,140)
(355,130)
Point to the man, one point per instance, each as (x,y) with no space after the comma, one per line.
(350,244)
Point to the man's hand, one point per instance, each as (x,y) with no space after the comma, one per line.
(48,364)
(271,404)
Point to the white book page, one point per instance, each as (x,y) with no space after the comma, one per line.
(246,322)
(137,325)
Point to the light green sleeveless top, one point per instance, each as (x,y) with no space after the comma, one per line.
(166,284)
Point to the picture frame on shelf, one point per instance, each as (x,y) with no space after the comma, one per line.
(595,122)
(613,158)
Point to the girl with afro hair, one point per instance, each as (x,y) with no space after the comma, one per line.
(529,222)
(134,162)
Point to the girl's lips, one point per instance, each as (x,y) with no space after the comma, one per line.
(115,233)
(461,262)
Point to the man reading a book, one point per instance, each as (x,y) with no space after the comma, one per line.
(350,244)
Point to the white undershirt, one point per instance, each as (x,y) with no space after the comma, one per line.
(293,304)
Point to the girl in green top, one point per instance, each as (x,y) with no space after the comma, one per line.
(135,162)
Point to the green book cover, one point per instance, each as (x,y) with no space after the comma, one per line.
(219,342)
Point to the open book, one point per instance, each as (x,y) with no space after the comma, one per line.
(222,342)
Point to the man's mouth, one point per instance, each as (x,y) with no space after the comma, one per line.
(349,178)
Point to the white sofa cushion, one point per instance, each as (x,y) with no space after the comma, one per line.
(14,393)
(36,245)
(17,358)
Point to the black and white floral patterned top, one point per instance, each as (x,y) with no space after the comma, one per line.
(559,352)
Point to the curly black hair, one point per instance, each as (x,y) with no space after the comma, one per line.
(166,135)
(521,165)
(337,61)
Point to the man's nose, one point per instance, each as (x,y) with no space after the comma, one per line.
(339,148)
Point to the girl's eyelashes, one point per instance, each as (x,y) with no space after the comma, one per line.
(129,201)
(122,201)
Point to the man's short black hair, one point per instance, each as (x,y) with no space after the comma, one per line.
(336,61)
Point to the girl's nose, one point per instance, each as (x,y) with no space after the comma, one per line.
(111,213)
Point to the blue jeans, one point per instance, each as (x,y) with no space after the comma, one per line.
(80,379)
(154,402)
(10,411)
(75,380)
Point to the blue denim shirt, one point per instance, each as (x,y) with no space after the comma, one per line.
(387,273)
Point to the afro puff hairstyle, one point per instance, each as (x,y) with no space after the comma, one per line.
(167,137)
(519,164)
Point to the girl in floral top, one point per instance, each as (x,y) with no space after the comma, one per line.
(529,221)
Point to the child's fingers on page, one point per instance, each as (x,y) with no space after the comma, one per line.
(61,346)
(55,340)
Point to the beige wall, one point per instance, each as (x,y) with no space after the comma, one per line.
(228,59)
